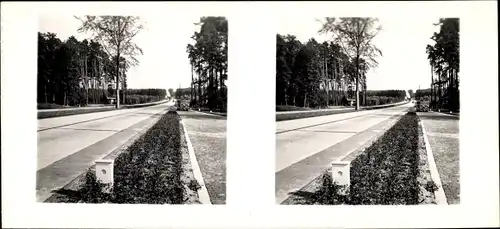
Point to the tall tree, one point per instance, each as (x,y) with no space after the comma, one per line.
(444,59)
(208,57)
(116,34)
(171,92)
(355,36)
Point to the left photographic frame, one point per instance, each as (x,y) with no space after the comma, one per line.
(129,114)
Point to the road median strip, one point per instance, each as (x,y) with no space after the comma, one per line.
(154,167)
(393,168)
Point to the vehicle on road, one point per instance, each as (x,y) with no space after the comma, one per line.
(422,106)
(182,105)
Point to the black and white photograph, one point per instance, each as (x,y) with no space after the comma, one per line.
(338,114)
(367,111)
(129,112)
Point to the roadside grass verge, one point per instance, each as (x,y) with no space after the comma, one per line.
(290,108)
(48,113)
(153,170)
(392,171)
(43,106)
(292,116)
(299,115)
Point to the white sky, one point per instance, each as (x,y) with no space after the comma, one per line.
(404,63)
(165,63)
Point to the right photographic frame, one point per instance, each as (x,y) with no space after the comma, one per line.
(367,111)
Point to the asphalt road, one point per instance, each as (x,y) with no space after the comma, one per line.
(306,147)
(68,145)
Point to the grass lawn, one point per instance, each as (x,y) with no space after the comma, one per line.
(155,169)
(392,171)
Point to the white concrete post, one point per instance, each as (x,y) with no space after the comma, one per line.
(341,174)
(104,172)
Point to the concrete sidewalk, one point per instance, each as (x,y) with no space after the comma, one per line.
(443,134)
(208,137)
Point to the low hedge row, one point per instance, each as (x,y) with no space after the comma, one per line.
(67,112)
(76,111)
(148,172)
(290,108)
(386,172)
(43,106)
(138,99)
(292,116)
(381,100)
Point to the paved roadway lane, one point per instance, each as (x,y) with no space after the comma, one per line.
(305,147)
(207,133)
(68,145)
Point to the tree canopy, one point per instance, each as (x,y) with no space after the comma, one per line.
(74,72)
(115,34)
(355,36)
(208,58)
(444,59)
(314,74)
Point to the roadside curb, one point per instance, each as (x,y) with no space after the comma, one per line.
(208,113)
(203,195)
(439,193)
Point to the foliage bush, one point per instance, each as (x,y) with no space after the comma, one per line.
(47,113)
(386,173)
(60,67)
(149,171)
(139,99)
(422,93)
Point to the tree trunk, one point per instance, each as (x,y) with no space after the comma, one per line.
(221,91)
(45,92)
(432,85)
(357,83)
(305,99)
(192,82)
(118,78)
(210,88)
(365,90)
(199,90)
(124,91)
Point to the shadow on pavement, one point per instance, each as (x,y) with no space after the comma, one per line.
(64,196)
(301,198)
